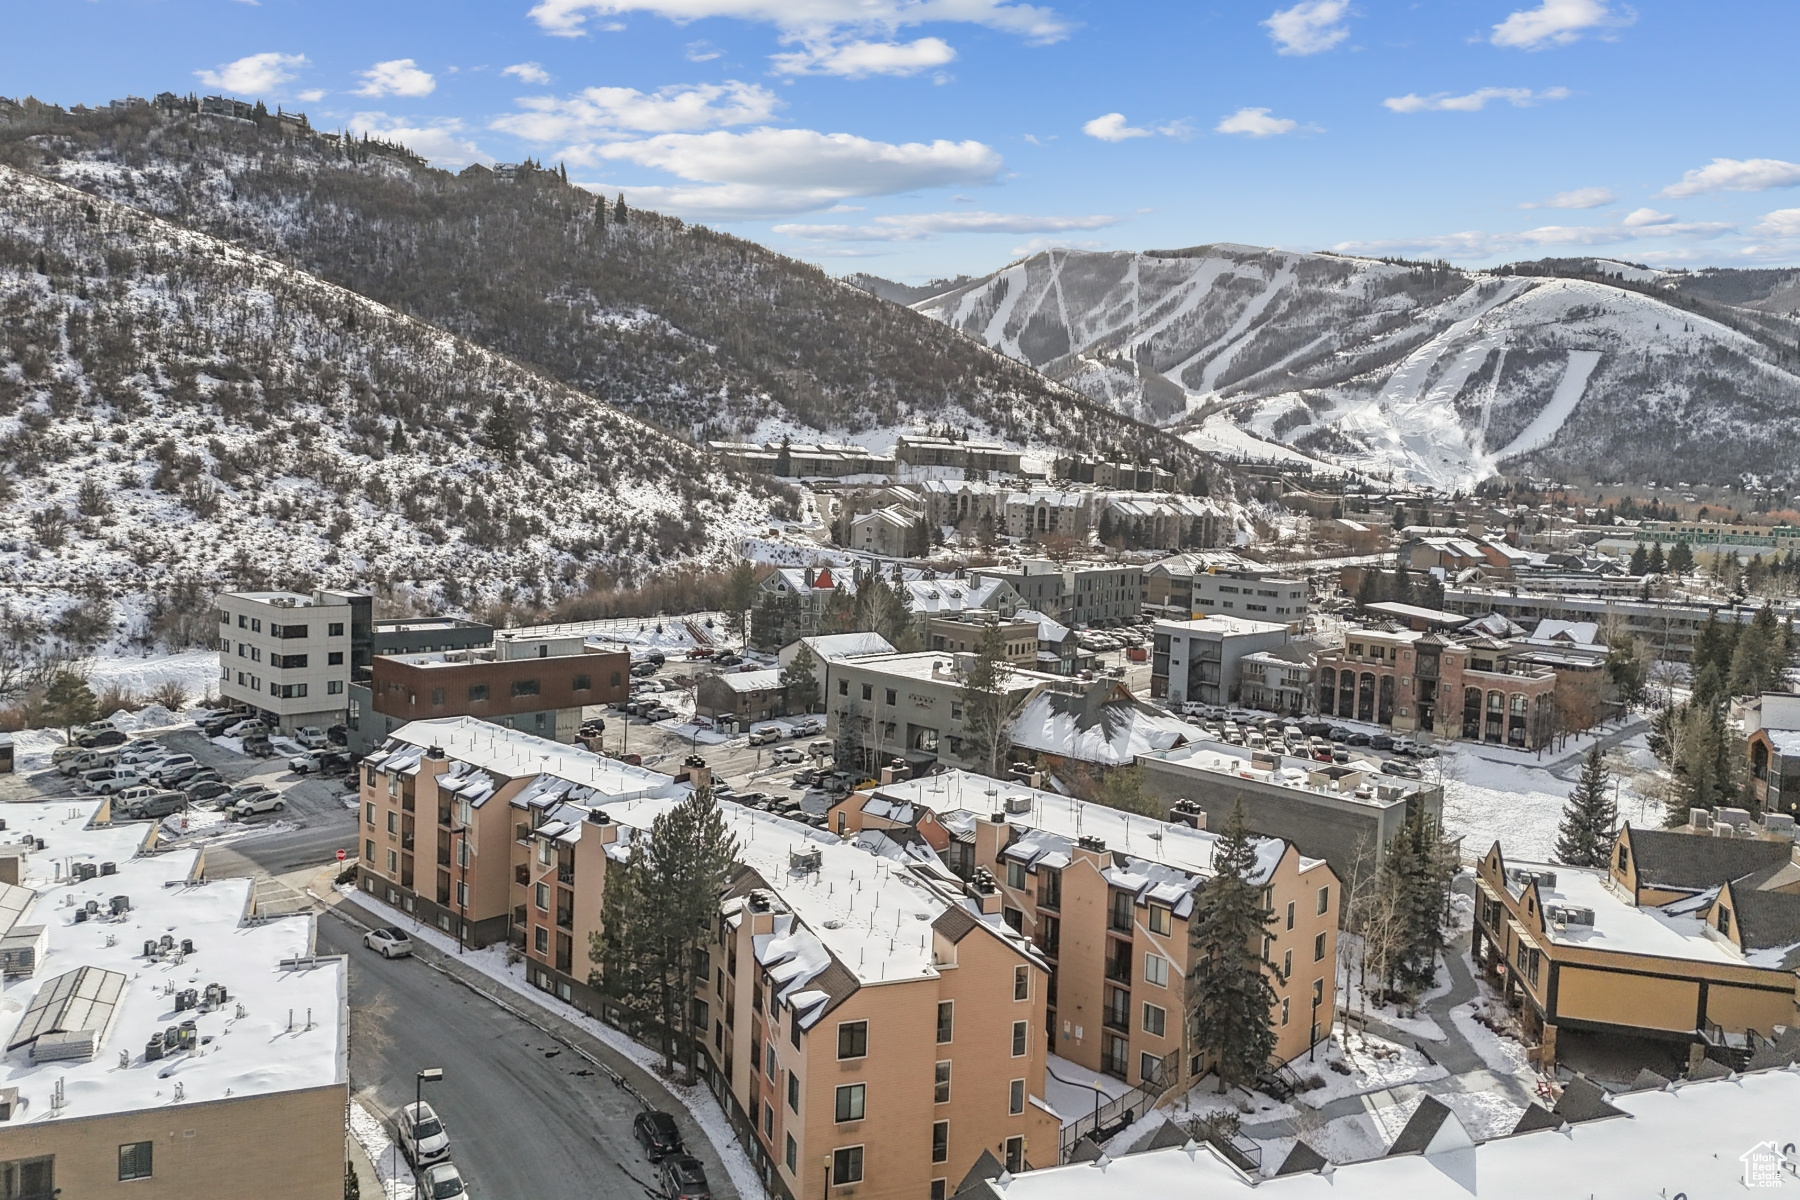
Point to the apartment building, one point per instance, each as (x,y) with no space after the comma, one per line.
(963,634)
(150,1051)
(1106,898)
(1668,625)
(443,802)
(1478,690)
(1771,724)
(290,656)
(1345,814)
(1684,937)
(1197,662)
(910,707)
(1047,512)
(1278,680)
(803,460)
(1077,729)
(977,460)
(875,1026)
(962,504)
(979,597)
(888,532)
(1128,477)
(1075,594)
(507,683)
(1168,585)
(1150,520)
(1252,595)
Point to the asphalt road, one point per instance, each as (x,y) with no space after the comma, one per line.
(529,1119)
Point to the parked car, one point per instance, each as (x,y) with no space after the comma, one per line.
(1339,734)
(1404,745)
(820,749)
(1406,770)
(178,776)
(417,1127)
(100,738)
(312,737)
(338,735)
(1358,738)
(444,1182)
(259,746)
(1340,754)
(251,805)
(1424,751)
(728,659)
(172,764)
(129,794)
(143,756)
(155,806)
(108,780)
(683,1178)
(84,761)
(787,754)
(245,728)
(764,737)
(205,790)
(390,943)
(643,670)
(305,764)
(1381,741)
(658,1134)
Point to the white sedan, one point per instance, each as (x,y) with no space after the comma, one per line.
(389,943)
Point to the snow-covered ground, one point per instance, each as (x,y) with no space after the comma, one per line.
(1070,1088)
(1359,1063)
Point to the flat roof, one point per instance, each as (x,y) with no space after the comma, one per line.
(284,599)
(1291,773)
(1226,626)
(927,665)
(513,754)
(247,1052)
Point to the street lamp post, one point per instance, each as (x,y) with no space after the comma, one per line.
(425,1076)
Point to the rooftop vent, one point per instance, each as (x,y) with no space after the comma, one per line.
(598,817)
(435,752)
(1097,845)
(805,862)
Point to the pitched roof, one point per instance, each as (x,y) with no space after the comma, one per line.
(956,923)
(1536,1116)
(1102,723)
(1666,858)
(1432,1126)
(1584,1100)
(1300,1159)
(1769,921)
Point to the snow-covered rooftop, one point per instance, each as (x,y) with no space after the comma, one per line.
(750,681)
(1696,1139)
(1159,843)
(844,645)
(1299,774)
(512,754)
(931,596)
(1112,730)
(939,665)
(246,1046)
(1219,626)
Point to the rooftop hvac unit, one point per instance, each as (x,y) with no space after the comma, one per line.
(1018,804)
(59,1047)
(805,862)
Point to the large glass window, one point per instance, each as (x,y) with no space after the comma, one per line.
(853,1039)
(846,1165)
(850,1099)
(135,1158)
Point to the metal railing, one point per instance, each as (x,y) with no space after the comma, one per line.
(1121,1110)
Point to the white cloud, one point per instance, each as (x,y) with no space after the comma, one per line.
(1587,197)
(528,72)
(396,77)
(1255,122)
(443,142)
(1474,101)
(776,172)
(703,51)
(1484,244)
(1032,245)
(858,59)
(1783,222)
(1310,27)
(602,113)
(1556,23)
(1736,175)
(311,95)
(254,73)
(1112,128)
(1639,217)
(817,18)
(915,226)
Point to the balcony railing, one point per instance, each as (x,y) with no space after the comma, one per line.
(1119,969)
(1117,1018)
(565,918)
(407,804)
(1119,921)
(566,874)
(407,841)
(444,814)
(522,833)
(1050,946)
(522,875)
(443,856)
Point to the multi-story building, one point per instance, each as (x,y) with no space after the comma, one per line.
(741,696)
(1668,625)
(1048,512)
(1076,594)
(811,591)
(976,459)
(1167,586)
(1478,690)
(1684,937)
(508,683)
(1277,681)
(962,504)
(1149,520)
(1082,730)
(1344,814)
(1197,662)
(982,596)
(963,634)
(1771,724)
(1107,897)
(1253,595)
(444,804)
(910,706)
(888,532)
(290,656)
(167,1040)
(803,460)
(1128,477)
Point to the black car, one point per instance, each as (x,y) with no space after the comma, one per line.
(683,1178)
(1339,734)
(1382,741)
(728,659)
(338,735)
(205,790)
(1358,739)
(659,1135)
(100,739)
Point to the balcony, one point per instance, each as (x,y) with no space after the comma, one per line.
(1119,921)
(1117,1018)
(407,841)
(444,815)
(565,873)
(1048,946)
(1118,969)
(443,856)
(406,875)
(407,804)
(565,918)
(522,875)
(522,834)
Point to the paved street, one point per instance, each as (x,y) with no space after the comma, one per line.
(529,1118)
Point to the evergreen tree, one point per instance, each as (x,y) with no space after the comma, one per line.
(502,433)
(1415,876)
(1201,486)
(1229,997)
(1589,818)
(1403,588)
(1760,656)
(1640,560)
(1681,559)
(1625,670)
(600,213)
(619,214)
(800,678)
(740,595)
(776,620)
(1655,563)
(784,460)
(68,702)
(988,707)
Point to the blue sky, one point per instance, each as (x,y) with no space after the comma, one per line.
(921,138)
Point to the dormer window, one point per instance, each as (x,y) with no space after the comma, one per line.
(1723,920)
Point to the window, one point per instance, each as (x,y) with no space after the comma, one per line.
(437,697)
(940,1141)
(28,1178)
(793,1154)
(335,629)
(794,1028)
(541,939)
(1015,1154)
(393,862)
(1156,1020)
(868,691)
(1014,918)
(940,1083)
(525,687)
(1319,948)
(770,1066)
(285,661)
(543,897)
(1162,920)
(1724,920)
(134,1160)
(1324,899)
(1015,1097)
(946,1021)
(288,691)
(768,1121)
(849,1106)
(1018,1038)
(1287,965)
(843,687)
(478,692)
(462,894)
(334,658)
(939,1189)
(1284,1010)
(583,683)
(1290,914)
(1021,983)
(793,1091)
(846,1165)
(255,625)
(853,1039)
(369,810)
(333,687)
(369,849)
(1015,875)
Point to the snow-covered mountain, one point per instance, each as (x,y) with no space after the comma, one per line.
(177,412)
(1422,371)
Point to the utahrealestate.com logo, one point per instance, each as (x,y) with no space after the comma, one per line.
(1766,1165)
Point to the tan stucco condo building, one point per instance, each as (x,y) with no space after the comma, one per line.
(1684,937)
(1107,898)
